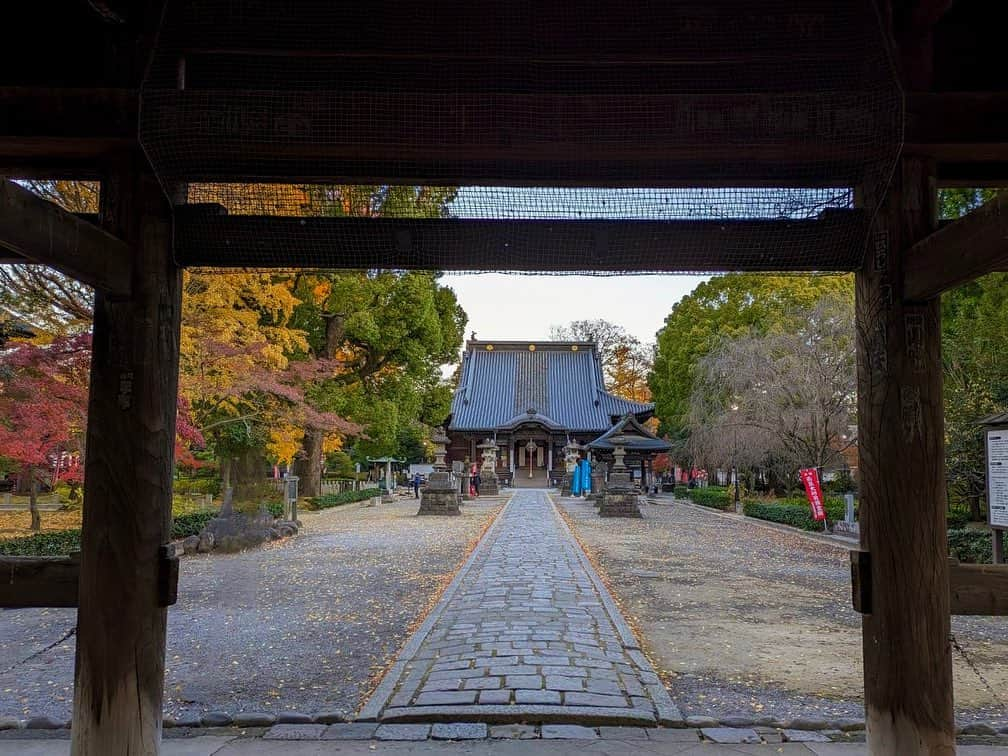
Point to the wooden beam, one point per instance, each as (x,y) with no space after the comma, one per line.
(957,127)
(59,130)
(979,589)
(206,239)
(38,581)
(967,248)
(45,233)
(54,581)
(907,656)
(119,680)
(71,132)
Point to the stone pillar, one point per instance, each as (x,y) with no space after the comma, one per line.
(387,497)
(466,477)
(440,496)
(571,455)
(488,471)
(619,499)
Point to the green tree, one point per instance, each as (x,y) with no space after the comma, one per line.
(974,332)
(725,307)
(390,331)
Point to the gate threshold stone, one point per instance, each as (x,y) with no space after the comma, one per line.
(518,714)
(526,632)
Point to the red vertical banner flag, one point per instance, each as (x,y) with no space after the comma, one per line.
(810,478)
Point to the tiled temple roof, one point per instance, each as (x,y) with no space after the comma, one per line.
(557,384)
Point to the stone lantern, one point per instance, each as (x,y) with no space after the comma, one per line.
(440,440)
(488,470)
(619,499)
(572,453)
(440,496)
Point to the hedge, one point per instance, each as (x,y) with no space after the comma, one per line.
(795,512)
(347,497)
(973,546)
(714,497)
(680,492)
(53,543)
(186,525)
(788,514)
(836,509)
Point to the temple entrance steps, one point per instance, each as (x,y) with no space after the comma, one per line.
(539,479)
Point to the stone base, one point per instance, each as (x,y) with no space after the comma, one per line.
(489,486)
(619,504)
(440,502)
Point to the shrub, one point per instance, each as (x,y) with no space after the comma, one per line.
(347,497)
(714,497)
(836,509)
(55,543)
(957,519)
(185,525)
(197,486)
(974,546)
(783,512)
(680,492)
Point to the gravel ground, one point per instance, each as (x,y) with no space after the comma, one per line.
(746,619)
(301,625)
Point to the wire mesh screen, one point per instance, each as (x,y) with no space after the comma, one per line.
(587,137)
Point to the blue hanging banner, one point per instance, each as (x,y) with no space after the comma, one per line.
(576,480)
(586,476)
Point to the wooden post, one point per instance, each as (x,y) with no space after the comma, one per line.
(907,658)
(119,675)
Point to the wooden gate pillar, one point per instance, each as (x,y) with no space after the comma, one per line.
(119,670)
(907,657)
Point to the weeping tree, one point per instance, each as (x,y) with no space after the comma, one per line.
(781,400)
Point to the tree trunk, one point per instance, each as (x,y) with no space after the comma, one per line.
(310,468)
(36,519)
(248,473)
(225,473)
(974,503)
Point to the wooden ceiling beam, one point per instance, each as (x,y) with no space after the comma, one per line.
(74,133)
(42,232)
(961,251)
(206,236)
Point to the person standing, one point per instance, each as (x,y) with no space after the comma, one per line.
(416,485)
(474,480)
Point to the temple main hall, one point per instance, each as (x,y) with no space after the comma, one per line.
(532,397)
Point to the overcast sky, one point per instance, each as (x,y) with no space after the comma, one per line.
(515,307)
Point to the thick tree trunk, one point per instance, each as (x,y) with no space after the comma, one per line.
(119,674)
(907,658)
(225,473)
(248,476)
(36,519)
(310,467)
(976,515)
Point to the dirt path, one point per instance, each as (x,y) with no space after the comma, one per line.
(745,619)
(301,625)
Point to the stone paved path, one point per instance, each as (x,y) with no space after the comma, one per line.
(526,632)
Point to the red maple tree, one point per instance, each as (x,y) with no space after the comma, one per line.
(43,406)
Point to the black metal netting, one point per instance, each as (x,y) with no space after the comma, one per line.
(591,137)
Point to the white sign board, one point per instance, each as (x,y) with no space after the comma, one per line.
(997,476)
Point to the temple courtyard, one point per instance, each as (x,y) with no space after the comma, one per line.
(527,608)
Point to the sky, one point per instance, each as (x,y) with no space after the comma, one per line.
(515,307)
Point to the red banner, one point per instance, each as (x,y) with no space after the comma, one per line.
(810,478)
